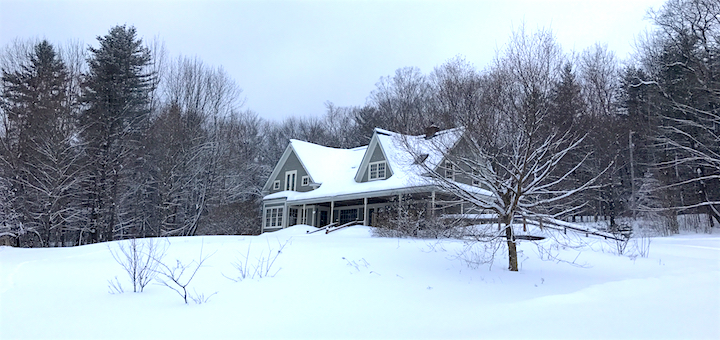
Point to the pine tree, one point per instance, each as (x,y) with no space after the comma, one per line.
(116,94)
(38,145)
(566,104)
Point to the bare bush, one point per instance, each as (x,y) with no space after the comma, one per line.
(200,298)
(474,254)
(413,219)
(641,245)
(263,264)
(115,287)
(179,277)
(139,259)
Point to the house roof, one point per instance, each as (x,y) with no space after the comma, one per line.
(336,170)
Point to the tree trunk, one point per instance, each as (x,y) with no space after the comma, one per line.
(512,250)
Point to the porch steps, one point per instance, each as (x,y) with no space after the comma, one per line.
(334,226)
(351,223)
(323,228)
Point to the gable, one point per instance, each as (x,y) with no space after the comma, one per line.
(288,162)
(374,154)
(458,156)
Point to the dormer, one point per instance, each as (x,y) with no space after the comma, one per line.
(374,165)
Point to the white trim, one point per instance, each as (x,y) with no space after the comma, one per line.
(305,181)
(364,164)
(273,217)
(365,211)
(291,180)
(449,170)
(276,171)
(377,170)
(360,195)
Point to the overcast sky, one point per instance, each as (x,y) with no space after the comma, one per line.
(291,57)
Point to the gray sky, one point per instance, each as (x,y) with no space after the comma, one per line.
(291,57)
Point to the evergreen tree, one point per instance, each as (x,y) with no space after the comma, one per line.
(682,65)
(116,94)
(566,103)
(38,144)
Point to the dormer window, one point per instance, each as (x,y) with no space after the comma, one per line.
(290,179)
(475,177)
(449,170)
(377,170)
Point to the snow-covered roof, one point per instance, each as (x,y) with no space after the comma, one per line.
(404,152)
(322,162)
(336,169)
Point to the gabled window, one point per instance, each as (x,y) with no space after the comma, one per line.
(475,177)
(449,170)
(290,180)
(377,171)
(276,185)
(305,181)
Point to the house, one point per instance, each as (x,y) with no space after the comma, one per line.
(318,185)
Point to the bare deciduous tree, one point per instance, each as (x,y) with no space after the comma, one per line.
(513,159)
(680,58)
(405,99)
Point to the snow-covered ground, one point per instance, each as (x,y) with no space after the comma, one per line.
(348,284)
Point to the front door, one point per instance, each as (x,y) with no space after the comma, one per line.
(292,217)
(323,218)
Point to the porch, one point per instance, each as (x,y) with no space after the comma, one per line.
(320,212)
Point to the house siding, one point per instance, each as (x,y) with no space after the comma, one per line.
(292,163)
(376,156)
(462,171)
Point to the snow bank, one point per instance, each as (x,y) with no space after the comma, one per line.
(347,284)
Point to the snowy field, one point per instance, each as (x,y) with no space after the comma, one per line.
(348,284)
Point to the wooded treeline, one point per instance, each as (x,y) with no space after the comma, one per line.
(120,140)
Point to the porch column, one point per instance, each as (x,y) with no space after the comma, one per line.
(286,216)
(399,207)
(332,211)
(365,213)
(433,203)
(313,217)
(262,216)
(304,215)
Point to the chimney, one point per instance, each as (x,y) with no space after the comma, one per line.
(431,130)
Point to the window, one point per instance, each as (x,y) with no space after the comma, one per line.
(348,215)
(475,177)
(273,217)
(290,179)
(377,170)
(449,170)
(276,185)
(305,181)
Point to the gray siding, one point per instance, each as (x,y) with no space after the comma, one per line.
(377,155)
(292,163)
(461,174)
